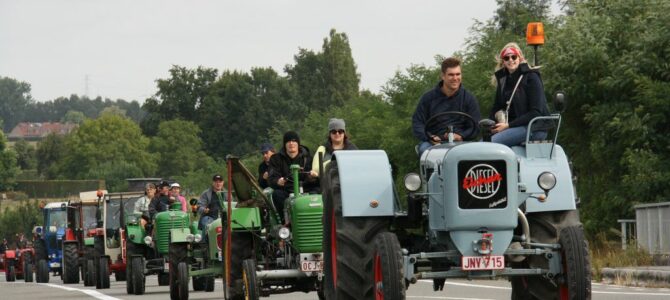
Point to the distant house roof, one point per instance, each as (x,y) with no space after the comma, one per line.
(38,131)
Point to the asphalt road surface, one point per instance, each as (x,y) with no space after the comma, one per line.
(454,289)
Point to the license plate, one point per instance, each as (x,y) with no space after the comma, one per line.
(488,262)
(167,267)
(311,265)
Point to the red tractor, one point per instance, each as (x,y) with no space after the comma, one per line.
(18,264)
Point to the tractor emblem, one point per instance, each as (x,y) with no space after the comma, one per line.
(482,181)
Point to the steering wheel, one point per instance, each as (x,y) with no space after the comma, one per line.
(434,118)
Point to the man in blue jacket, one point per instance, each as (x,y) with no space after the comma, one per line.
(448,95)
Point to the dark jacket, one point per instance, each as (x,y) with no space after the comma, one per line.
(434,102)
(158,204)
(529,99)
(262,168)
(280,166)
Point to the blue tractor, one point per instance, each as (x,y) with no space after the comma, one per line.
(49,241)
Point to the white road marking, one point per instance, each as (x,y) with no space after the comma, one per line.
(507,288)
(92,293)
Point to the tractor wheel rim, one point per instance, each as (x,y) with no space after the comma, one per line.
(379,277)
(333,248)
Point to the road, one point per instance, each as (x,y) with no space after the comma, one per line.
(454,289)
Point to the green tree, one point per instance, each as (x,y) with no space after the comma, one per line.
(179,148)
(73,116)
(26,155)
(113,110)
(245,103)
(8,166)
(179,97)
(611,59)
(14,100)
(327,78)
(49,154)
(108,139)
(20,219)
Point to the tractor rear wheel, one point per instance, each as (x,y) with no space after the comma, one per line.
(251,289)
(70,273)
(178,287)
(348,245)
(42,271)
(388,267)
(242,248)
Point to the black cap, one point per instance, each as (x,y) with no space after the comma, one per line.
(217,177)
(291,136)
(265,147)
(163,183)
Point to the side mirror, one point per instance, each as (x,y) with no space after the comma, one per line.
(560,101)
(193,201)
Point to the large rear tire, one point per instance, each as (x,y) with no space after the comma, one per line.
(388,268)
(241,249)
(42,271)
(70,272)
(251,288)
(138,278)
(198,283)
(163,278)
(348,245)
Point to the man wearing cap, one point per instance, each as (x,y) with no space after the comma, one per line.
(280,179)
(162,200)
(209,204)
(175,189)
(267,150)
(448,95)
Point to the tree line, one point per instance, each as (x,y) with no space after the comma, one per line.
(612,66)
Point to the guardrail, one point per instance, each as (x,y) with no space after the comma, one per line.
(652,222)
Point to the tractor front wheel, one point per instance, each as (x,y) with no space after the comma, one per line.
(388,268)
(251,289)
(10,273)
(137,278)
(70,273)
(42,271)
(28,268)
(103,273)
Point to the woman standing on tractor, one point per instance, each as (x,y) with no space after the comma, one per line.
(519,98)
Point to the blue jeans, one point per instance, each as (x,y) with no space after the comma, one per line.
(423,146)
(204,221)
(515,136)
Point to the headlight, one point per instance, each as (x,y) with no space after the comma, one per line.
(546,181)
(412,182)
(148,240)
(198,238)
(284,233)
(190,238)
(132,219)
(53,229)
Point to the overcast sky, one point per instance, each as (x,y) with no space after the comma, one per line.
(122,47)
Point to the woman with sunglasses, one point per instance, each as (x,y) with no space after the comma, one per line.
(519,98)
(337,140)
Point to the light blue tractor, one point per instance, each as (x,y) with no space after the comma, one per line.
(475,210)
(49,241)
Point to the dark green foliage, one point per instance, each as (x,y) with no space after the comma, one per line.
(57,188)
(26,155)
(57,110)
(178,148)
(611,58)
(8,165)
(49,152)
(19,218)
(14,99)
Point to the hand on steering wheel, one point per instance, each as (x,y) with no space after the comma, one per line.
(457,137)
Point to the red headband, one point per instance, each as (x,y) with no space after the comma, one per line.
(508,51)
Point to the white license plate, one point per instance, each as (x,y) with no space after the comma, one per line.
(488,262)
(311,265)
(167,267)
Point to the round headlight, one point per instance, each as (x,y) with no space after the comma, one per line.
(148,240)
(412,182)
(198,238)
(190,238)
(53,229)
(284,233)
(546,181)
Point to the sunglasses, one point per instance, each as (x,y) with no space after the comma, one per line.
(513,57)
(340,131)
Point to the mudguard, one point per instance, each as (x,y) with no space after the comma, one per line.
(246,218)
(561,197)
(366,183)
(10,254)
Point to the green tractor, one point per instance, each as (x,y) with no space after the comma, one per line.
(152,252)
(262,255)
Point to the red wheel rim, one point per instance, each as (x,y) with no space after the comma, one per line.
(333,248)
(379,293)
(563,293)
